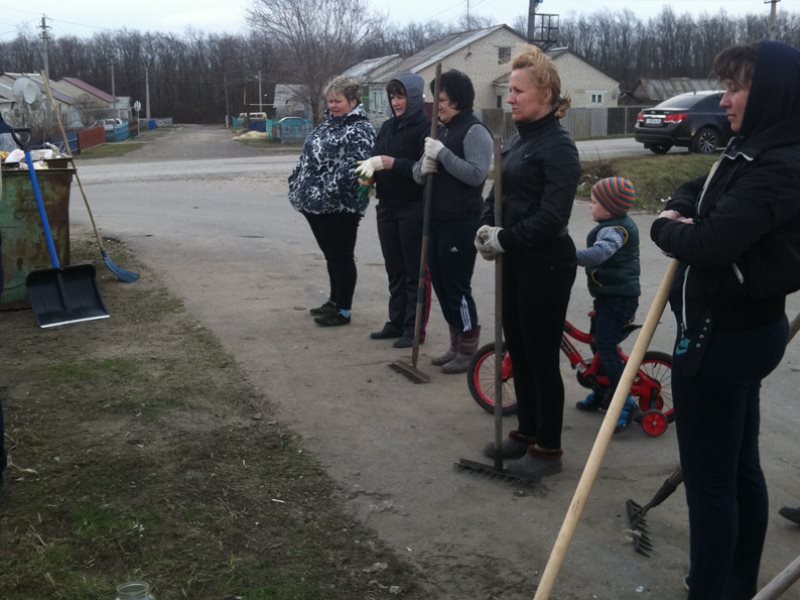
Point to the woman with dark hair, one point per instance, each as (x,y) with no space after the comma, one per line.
(399,144)
(460,159)
(540,171)
(324,189)
(736,235)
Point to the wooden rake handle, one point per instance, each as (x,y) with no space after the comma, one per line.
(604,436)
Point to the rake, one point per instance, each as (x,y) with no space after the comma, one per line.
(120,273)
(636,512)
(408,368)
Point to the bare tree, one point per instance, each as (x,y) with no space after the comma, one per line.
(322,37)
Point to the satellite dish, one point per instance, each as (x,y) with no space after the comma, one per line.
(27,92)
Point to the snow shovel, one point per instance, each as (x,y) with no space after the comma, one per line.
(408,368)
(120,273)
(58,296)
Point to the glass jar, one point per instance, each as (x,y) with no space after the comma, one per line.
(134,590)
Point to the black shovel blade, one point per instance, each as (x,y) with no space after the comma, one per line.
(62,296)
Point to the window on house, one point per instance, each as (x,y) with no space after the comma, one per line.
(499,102)
(503,55)
(596,97)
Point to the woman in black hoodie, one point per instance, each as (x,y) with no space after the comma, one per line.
(399,145)
(736,235)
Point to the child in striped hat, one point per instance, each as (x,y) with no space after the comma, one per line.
(611,259)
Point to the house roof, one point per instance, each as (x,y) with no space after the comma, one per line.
(371,68)
(443,48)
(8,80)
(554,54)
(89,89)
(5,92)
(661,89)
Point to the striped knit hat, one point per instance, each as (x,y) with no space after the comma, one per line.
(615,194)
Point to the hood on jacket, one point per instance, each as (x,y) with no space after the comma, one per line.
(414,86)
(775,89)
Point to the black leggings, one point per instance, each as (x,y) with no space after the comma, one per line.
(336,235)
(535,300)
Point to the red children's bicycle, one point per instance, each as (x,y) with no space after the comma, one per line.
(651,388)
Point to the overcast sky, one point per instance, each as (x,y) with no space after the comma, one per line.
(87,17)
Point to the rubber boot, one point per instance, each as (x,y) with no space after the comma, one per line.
(451,352)
(467,346)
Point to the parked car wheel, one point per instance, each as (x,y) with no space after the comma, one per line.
(659,148)
(706,141)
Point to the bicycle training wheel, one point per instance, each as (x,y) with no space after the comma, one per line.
(657,366)
(480,380)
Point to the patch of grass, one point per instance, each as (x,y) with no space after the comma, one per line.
(655,177)
(139,451)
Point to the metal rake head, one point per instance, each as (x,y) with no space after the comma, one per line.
(639,535)
(489,471)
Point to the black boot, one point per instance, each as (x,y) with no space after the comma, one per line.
(515,446)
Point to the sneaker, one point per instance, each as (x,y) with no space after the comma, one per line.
(515,446)
(333,320)
(326,309)
(404,342)
(793,514)
(389,331)
(589,404)
(626,416)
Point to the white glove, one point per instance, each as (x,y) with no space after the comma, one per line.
(366,168)
(428,166)
(488,238)
(433,147)
(480,235)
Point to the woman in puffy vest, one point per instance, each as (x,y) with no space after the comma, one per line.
(459,161)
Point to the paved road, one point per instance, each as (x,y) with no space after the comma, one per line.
(218,229)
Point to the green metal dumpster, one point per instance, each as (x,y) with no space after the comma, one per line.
(24,247)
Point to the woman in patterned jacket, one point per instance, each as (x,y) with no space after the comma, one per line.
(324,188)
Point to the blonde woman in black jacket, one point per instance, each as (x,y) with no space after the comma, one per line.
(540,175)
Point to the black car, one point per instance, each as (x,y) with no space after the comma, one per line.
(693,120)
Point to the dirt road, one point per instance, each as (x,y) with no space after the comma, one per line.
(222,233)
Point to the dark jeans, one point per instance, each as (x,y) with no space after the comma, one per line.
(451,260)
(611,315)
(336,236)
(717,422)
(535,299)
(400,234)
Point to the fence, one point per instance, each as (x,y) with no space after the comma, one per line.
(582,123)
